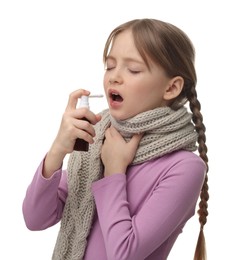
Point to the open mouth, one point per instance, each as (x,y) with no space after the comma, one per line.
(116,97)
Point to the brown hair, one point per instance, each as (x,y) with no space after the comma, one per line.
(169,47)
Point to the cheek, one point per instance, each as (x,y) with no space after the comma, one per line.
(105,82)
(151,97)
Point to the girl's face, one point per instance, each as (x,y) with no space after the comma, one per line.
(130,87)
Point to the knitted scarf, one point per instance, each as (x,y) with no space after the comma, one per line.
(165,130)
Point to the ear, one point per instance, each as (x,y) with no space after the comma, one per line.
(174,87)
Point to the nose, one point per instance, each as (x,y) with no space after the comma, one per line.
(112,81)
(115,78)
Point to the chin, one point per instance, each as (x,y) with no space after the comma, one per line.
(122,117)
(118,116)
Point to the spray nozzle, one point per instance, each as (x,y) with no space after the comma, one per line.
(84,100)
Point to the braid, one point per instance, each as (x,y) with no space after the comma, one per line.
(195,106)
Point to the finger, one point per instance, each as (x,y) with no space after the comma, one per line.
(93,118)
(98,117)
(86,113)
(73,97)
(114,131)
(135,140)
(85,126)
(83,130)
(84,135)
(107,133)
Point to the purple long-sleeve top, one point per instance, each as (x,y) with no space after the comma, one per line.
(139,215)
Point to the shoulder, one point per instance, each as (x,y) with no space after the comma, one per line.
(185,166)
(184,157)
(180,166)
(179,158)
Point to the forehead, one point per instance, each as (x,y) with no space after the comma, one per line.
(123,43)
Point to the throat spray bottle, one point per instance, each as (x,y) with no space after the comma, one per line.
(80,144)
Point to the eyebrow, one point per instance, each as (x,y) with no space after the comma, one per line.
(127,59)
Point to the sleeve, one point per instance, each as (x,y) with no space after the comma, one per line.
(169,206)
(44,200)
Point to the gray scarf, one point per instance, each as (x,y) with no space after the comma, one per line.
(165,130)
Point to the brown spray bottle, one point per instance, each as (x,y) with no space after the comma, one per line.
(80,144)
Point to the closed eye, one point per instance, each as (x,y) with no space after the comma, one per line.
(134,71)
(109,68)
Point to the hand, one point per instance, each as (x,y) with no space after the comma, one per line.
(71,128)
(116,153)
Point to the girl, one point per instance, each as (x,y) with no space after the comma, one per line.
(131,194)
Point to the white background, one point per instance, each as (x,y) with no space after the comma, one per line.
(50,48)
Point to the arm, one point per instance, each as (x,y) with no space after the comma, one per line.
(45,198)
(169,206)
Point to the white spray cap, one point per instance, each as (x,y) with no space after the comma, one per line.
(84,102)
